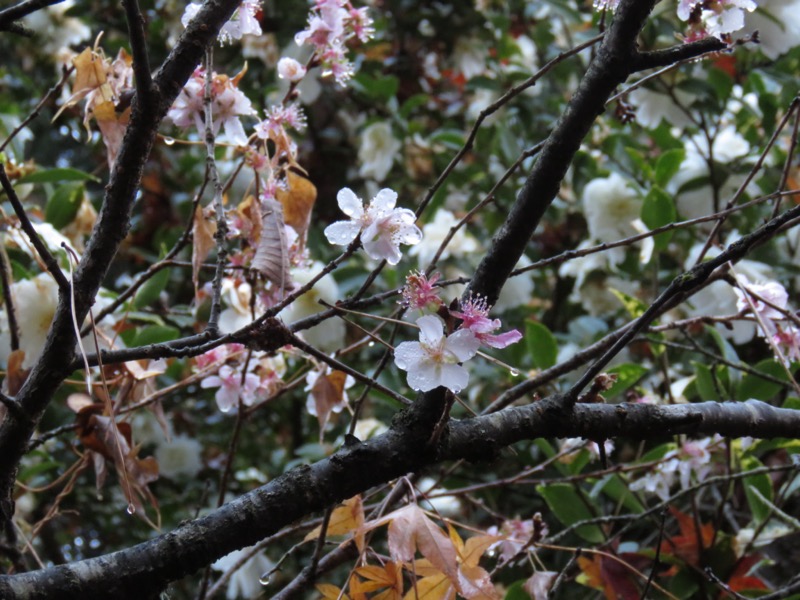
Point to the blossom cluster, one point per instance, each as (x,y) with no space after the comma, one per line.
(435,359)
(243,22)
(331,24)
(241,378)
(768,303)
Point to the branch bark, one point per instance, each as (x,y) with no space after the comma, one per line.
(111,228)
(146,569)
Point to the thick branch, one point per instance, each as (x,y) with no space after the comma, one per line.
(111,228)
(145,569)
(611,67)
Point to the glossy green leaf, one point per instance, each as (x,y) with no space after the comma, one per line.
(542,345)
(569,508)
(63,204)
(57,176)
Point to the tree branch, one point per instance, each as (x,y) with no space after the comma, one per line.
(147,568)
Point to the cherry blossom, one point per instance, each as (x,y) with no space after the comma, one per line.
(433,360)
(788,340)
(772,291)
(474,314)
(243,22)
(714,17)
(228,103)
(232,388)
(419,292)
(382,226)
(290,69)
(330,25)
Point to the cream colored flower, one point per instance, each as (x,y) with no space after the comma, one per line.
(329,335)
(180,457)
(434,233)
(378,150)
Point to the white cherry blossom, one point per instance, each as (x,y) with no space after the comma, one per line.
(433,360)
(382,226)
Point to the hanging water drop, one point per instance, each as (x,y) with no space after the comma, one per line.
(514,373)
(169,141)
(131,508)
(265,579)
(371,344)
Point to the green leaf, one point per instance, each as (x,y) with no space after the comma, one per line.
(150,291)
(63,204)
(753,386)
(641,163)
(634,306)
(516,592)
(668,165)
(452,138)
(727,351)
(704,382)
(658,208)
(569,508)
(757,489)
(542,345)
(627,375)
(57,175)
(155,334)
(617,489)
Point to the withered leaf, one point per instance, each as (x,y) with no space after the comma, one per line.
(298,201)
(272,255)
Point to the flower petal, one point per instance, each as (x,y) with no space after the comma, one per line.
(342,233)
(426,377)
(431,330)
(462,344)
(408,355)
(383,203)
(350,204)
(454,377)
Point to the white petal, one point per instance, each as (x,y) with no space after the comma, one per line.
(462,344)
(408,355)
(454,377)
(382,247)
(383,203)
(408,235)
(431,330)
(342,233)
(425,378)
(350,204)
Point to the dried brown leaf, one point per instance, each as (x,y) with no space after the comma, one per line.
(272,255)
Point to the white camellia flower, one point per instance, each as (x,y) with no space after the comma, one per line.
(652,107)
(35,301)
(180,457)
(778,25)
(720,299)
(610,208)
(237,298)
(382,226)
(329,335)
(378,150)
(434,233)
(246,581)
(433,361)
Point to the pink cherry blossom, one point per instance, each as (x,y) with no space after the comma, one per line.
(232,388)
(772,291)
(419,292)
(475,316)
(243,22)
(290,69)
(433,360)
(382,226)
(788,340)
(228,103)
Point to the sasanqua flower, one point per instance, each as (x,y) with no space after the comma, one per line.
(433,360)
(382,226)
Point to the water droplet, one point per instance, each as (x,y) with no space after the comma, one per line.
(371,344)
(169,141)
(131,508)
(514,373)
(265,579)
